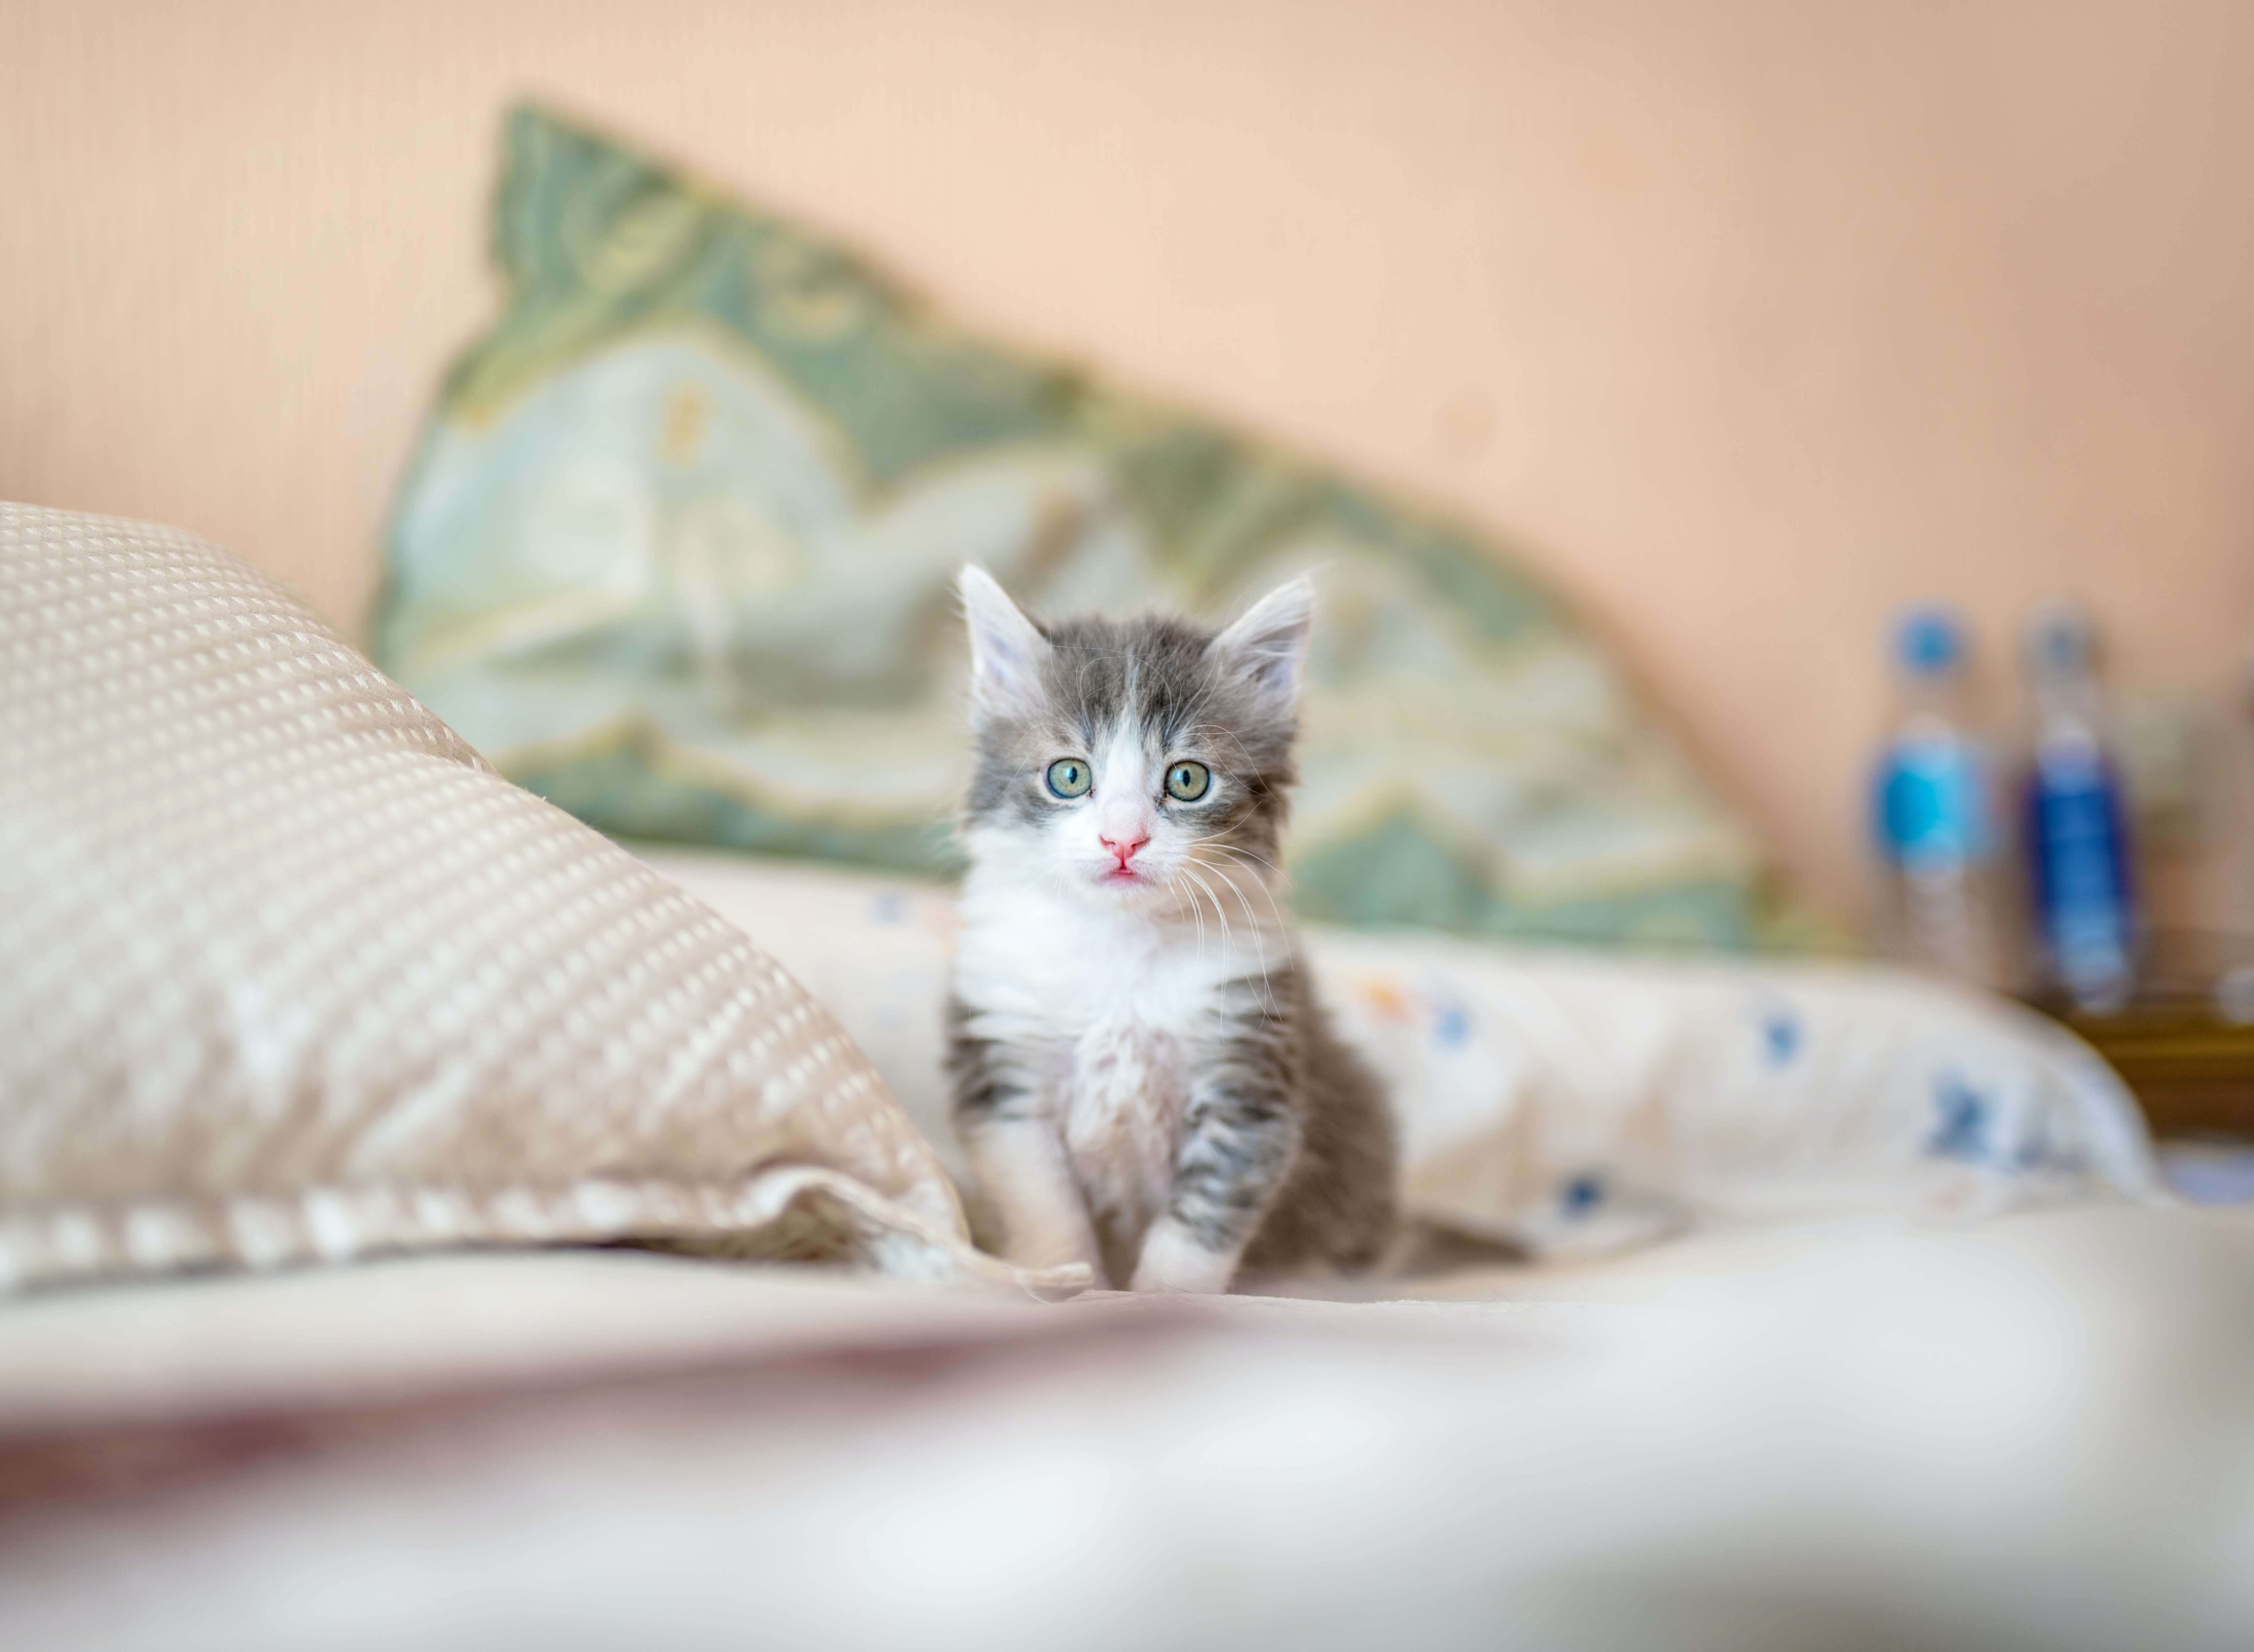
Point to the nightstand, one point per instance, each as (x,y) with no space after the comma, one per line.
(2186,1046)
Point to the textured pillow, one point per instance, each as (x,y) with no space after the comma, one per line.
(287,972)
(677,553)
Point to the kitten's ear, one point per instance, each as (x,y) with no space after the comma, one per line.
(1268,645)
(1006,651)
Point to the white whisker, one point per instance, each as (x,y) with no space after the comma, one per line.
(1252,923)
(1233,848)
(1228,937)
(1261,884)
(1197,913)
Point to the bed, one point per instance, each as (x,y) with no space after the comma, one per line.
(423,1220)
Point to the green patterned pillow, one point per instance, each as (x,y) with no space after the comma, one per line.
(675,551)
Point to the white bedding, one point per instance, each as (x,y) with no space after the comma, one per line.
(1861,1428)
(1573,1102)
(2037,1432)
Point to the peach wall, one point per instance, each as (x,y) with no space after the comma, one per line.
(1750,321)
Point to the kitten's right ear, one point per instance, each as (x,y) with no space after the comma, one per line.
(1269,643)
(1006,650)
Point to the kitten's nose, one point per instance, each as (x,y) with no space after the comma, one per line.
(1123,847)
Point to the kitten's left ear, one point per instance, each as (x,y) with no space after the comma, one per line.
(1268,645)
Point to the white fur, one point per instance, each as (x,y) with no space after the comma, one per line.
(1020,1163)
(1121,806)
(1110,1005)
(1174,1260)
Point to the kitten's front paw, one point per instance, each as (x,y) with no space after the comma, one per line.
(1041,1246)
(1042,1258)
(1173,1260)
(1040,1237)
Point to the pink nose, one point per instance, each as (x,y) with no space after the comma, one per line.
(1124,848)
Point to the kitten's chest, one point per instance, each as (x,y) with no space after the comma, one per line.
(1115,1023)
(1120,1025)
(1123,1096)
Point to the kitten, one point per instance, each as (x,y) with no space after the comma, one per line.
(1144,1081)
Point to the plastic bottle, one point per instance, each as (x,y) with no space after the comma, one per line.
(1935,812)
(2082,894)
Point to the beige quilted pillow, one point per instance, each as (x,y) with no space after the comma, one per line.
(286,972)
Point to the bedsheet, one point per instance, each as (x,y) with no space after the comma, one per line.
(1573,1102)
(2033,1432)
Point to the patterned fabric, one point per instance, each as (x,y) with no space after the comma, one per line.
(288,973)
(1573,1102)
(677,548)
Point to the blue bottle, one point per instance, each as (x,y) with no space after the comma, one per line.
(1933,812)
(2082,895)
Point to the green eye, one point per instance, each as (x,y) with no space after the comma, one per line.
(1068,777)
(1187,782)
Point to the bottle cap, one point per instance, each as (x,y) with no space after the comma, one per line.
(2060,639)
(1929,642)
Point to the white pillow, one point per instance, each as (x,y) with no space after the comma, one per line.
(1573,1102)
(1576,1102)
(286,972)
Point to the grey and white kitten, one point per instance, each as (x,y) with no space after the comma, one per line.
(1144,1081)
